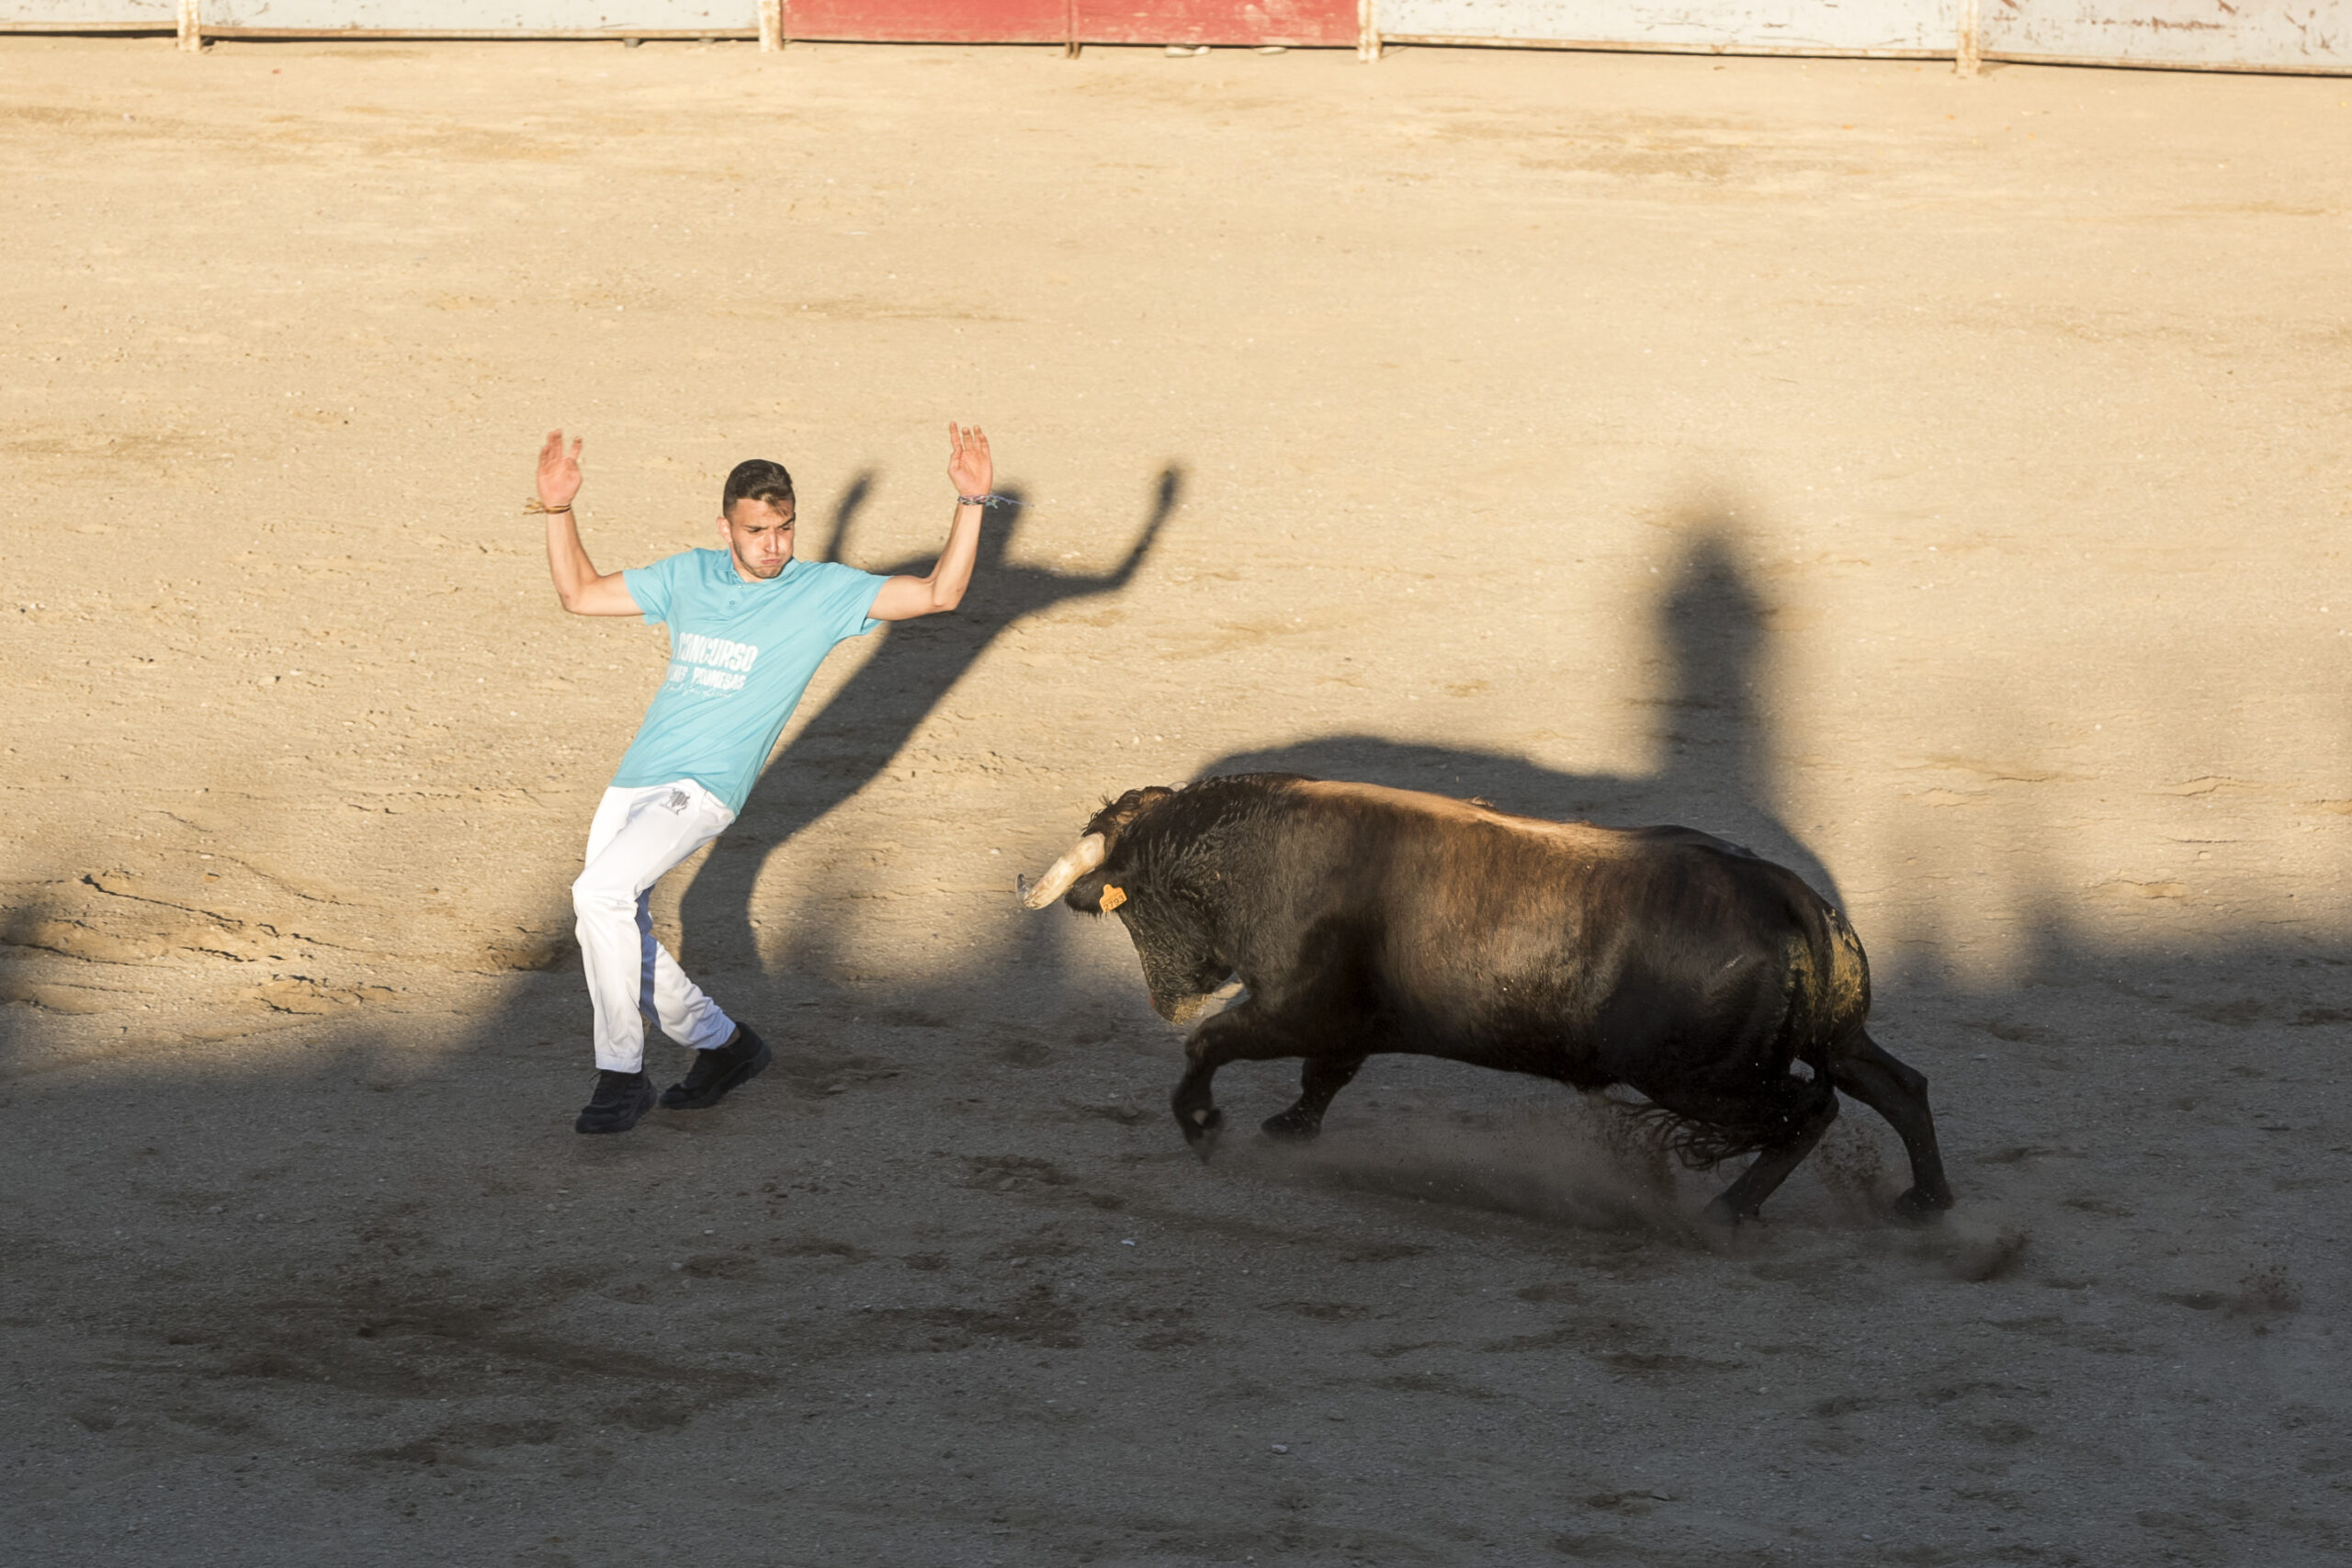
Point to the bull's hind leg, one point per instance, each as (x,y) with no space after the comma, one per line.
(1239,1035)
(1318,1080)
(1899,1093)
(1744,1197)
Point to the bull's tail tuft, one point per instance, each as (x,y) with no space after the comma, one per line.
(1819,1010)
(1726,1128)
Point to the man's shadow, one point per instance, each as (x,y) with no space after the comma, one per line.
(854,739)
(1715,767)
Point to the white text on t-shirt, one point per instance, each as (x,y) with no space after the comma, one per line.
(710,662)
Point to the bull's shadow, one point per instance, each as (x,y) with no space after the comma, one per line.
(1716,770)
(852,739)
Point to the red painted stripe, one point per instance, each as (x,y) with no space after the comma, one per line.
(929,21)
(1301,22)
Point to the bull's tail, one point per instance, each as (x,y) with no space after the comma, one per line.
(1823,1009)
(1705,1132)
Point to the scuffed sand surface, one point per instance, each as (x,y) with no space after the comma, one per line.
(1940,486)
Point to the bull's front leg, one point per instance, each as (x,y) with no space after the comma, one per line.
(1240,1034)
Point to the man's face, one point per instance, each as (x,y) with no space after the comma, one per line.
(759,537)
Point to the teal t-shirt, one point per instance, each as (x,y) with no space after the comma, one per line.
(740,654)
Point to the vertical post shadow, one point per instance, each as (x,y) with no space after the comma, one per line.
(1714,769)
(869,720)
(1717,756)
(845,510)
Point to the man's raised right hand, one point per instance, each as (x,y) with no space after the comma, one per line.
(559,471)
(583,589)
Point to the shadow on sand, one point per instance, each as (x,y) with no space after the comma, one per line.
(851,741)
(387,1263)
(1717,772)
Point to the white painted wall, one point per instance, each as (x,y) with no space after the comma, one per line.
(2281,35)
(400,16)
(89,13)
(486,15)
(2294,35)
(1796,27)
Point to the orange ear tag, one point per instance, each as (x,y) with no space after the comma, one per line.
(1111,898)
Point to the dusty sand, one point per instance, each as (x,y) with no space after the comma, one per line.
(1939,485)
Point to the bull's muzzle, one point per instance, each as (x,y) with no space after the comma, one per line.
(1083,858)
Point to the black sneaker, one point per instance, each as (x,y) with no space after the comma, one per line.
(620,1099)
(716,1072)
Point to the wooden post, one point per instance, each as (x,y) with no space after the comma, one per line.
(192,25)
(1970,53)
(1070,23)
(771,25)
(1368,31)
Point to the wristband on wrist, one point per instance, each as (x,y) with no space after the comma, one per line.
(991,500)
(536,504)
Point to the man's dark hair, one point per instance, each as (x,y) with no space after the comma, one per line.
(757,480)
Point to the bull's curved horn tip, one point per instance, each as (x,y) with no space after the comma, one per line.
(1083,857)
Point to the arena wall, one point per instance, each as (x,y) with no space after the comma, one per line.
(2302,36)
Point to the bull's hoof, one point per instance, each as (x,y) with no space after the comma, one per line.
(1292,1126)
(1199,1123)
(1918,1208)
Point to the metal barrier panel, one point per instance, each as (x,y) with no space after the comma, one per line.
(2250,35)
(539,19)
(1901,27)
(64,16)
(1304,23)
(929,21)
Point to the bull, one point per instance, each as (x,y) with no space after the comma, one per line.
(1361,919)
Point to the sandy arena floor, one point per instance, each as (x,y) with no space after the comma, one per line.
(1939,485)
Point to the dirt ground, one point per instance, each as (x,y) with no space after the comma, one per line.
(1939,485)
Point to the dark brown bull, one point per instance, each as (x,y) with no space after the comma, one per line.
(1365,919)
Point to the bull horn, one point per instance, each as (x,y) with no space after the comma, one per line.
(1085,857)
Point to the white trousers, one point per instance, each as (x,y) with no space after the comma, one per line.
(637,835)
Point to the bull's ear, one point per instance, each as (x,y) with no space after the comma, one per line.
(1117,816)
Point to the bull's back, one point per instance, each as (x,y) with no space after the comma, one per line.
(1500,939)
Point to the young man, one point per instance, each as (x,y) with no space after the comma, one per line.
(749,624)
